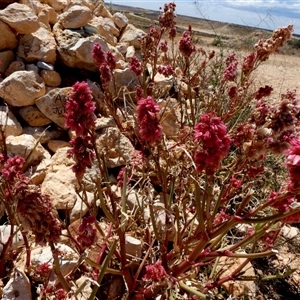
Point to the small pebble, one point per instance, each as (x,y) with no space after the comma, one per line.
(45,66)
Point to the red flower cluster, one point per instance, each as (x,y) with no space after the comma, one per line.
(106,63)
(135,66)
(87,234)
(12,168)
(150,128)
(293,164)
(186,46)
(230,72)
(165,70)
(215,143)
(80,117)
(155,272)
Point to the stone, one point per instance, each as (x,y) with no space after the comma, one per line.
(130,53)
(60,160)
(133,247)
(32,67)
(45,66)
(116,147)
(124,78)
(52,105)
(104,122)
(75,17)
(18,287)
(61,187)
(8,39)
(75,50)
(15,66)
(101,10)
(38,172)
(21,88)
(67,257)
(54,145)
(132,36)
(33,116)
(39,45)
(120,20)
(20,17)
(105,28)
(57,5)
(9,122)
(27,146)
(42,134)
(122,48)
(5,232)
(80,208)
(6,57)
(51,78)
(47,15)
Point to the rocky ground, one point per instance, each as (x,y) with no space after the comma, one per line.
(45,47)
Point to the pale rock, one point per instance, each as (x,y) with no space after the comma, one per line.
(168,117)
(133,247)
(21,88)
(39,171)
(7,57)
(67,257)
(75,17)
(122,48)
(18,287)
(132,36)
(51,78)
(90,177)
(54,145)
(118,55)
(27,146)
(101,10)
(236,288)
(47,15)
(120,20)
(122,65)
(130,53)
(61,187)
(104,122)
(45,66)
(8,39)
(290,232)
(32,67)
(52,105)
(105,29)
(75,50)
(57,5)
(42,134)
(20,17)
(33,116)
(86,291)
(183,87)
(5,232)
(15,66)
(115,146)
(80,208)
(9,122)
(39,45)
(61,161)
(124,79)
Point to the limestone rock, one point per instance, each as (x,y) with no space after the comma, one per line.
(61,187)
(120,20)
(130,53)
(18,287)
(54,145)
(15,66)
(51,78)
(42,134)
(20,17)
(32,67)
(21,88)
(26,146)
(76,16)
(7,57)
(68,258)
(101,10)
(124,78)
(9,122)
(75,50)
(60,160)
(38,172)
(47,15)
(80,208)
(57,5)
(132,36)
(8,39)
(33,116)
(52,105)
(5,232)
(39,45)
(117,148)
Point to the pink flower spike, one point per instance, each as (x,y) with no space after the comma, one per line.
(155,272)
